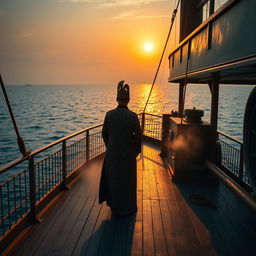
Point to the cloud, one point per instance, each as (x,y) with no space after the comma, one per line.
(2,12)
(114,3)
(84,1)
(135,15)
(24,35)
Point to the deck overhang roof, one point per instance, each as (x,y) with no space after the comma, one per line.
(223,48)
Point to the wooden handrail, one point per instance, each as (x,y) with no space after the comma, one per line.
(35,152)
(229,137)
(153,115)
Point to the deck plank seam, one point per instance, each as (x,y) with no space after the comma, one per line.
(35,247)
(60,225)
(83,225)
(161,214)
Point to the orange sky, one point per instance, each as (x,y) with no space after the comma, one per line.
(82,41)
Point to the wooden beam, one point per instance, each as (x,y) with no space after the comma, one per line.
(181,93)
(214,85)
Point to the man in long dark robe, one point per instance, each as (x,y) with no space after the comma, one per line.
(122,136)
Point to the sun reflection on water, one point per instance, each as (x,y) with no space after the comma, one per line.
(161,100)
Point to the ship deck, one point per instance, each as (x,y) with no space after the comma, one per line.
(166,223)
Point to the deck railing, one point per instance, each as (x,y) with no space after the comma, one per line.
(232,161)
(151,125)
(50,169)
(47,169)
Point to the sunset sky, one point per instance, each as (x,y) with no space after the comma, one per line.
(82,41)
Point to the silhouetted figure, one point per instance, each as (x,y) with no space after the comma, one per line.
(122,136)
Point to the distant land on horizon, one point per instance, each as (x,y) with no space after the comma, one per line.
(31,84)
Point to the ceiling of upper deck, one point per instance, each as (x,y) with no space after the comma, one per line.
(240,72)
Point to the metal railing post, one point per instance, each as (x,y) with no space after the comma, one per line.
(64,165)
(241,162)
(32,190)
(142,123)
(87,145)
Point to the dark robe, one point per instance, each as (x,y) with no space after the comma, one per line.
(122,136)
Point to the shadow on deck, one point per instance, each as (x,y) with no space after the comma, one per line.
(166,222)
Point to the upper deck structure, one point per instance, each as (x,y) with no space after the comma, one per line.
(215,44)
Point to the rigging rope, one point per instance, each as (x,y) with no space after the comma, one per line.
(21,143)
(159,65)
(185,86)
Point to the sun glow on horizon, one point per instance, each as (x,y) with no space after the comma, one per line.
(148,47)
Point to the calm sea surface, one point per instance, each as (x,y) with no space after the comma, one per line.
(47,113)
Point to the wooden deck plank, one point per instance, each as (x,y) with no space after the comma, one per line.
(146,186)
(139,192)
(165,224)
(164,185)
(159,235)
(64,231)
(228,216)
(98,231)
(160,188)
(47,243)
(139,205)
(106,243)
(53,222)
(48,218)
(187,241)
(45,231)
(77,228)
(137,248)
(207,216)
(148,238)
(170,235)
(152,185)
(131,230)
(139,176)
(202,234)
(122,242)
(34,230)
(85,236)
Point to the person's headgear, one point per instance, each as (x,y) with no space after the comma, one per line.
(123,91)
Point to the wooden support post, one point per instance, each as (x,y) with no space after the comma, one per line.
(87,145)
(214,104)
(181,94)
(32,191)
(165,134)
(214,87)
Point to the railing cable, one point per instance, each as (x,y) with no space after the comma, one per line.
(20,140)
(160,62)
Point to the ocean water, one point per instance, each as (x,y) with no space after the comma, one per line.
(47,113)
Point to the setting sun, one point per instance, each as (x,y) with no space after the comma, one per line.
(148,47)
